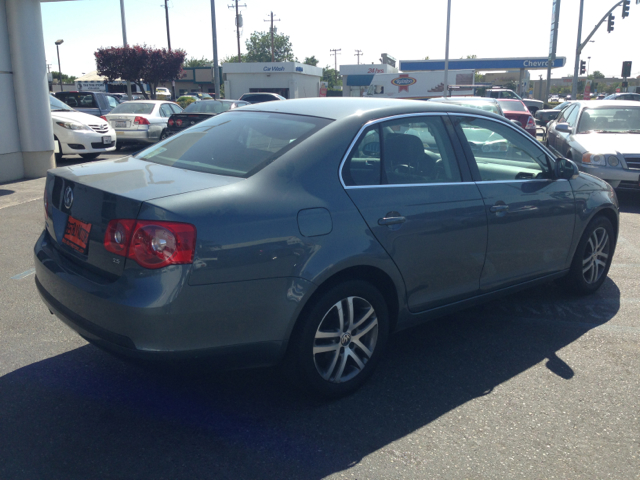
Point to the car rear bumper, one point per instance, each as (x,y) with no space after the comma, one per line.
(157,315)
(135,136)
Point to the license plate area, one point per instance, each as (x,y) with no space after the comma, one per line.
(106,140)
(76,235)
(121,123)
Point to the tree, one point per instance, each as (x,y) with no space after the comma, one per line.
(140,64)
(598,74)
(313,61)
(197,62)
(65,78)
(233,59)
(331,76)
(259,48)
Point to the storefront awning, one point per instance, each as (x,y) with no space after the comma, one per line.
(359,80)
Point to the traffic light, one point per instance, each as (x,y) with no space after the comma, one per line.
(625,8)
(583,67)
(626,69)
(610,23)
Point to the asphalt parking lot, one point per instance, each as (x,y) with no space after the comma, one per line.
(538,385)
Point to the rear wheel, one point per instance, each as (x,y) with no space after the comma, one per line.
(593,257)
(341,339)
(163,135)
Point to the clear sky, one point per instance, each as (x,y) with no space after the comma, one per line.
(407,29)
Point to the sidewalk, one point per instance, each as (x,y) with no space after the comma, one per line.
(15,193)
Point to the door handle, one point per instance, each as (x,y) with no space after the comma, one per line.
(391,220)
(499,208)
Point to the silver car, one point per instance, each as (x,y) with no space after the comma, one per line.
(141,121)
(603,138)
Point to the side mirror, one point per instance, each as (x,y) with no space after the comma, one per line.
(564,128)
(566,168)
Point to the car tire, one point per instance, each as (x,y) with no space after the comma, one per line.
(118,147)
(593,256)
(334,358)
(163,135)
(89,156)
(59,154)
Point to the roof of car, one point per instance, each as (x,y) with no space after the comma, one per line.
(342,107)
(608,103)
(462,98)
(150,101)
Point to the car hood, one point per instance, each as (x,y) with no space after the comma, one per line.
(625,143)
(75,116)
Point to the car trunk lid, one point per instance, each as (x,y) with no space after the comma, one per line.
(82,199)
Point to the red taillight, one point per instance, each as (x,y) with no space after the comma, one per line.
(140,121)
(531,123)
(151,244)
(104,118)
(178,122)
(170,122)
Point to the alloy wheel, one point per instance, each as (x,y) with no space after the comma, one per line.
(596,254)
(345,339)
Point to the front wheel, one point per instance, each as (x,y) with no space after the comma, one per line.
(341,339)
(593,257)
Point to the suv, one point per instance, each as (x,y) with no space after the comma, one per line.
(93,103)
(259,97)
(532,105)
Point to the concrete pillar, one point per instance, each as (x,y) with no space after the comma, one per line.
(10,149)
(26,42)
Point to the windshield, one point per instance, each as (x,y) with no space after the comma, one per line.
(134,108)
(562,105)
(58,106)
(486,106)
(237,144)
(512,106)
(207,107)
(610,120)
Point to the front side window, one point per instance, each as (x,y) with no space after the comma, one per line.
(237,144)
(501,153)
(413,150)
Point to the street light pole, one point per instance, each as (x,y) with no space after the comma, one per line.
(216,70)
(173,82)
(58,42)
(446,53)
(124,41)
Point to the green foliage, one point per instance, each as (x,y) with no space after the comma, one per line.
(311,61)
(65,78)
(259,47)
(597,74)
(511,85)
(197,62)
(233,59)
(331,76)
(184,101)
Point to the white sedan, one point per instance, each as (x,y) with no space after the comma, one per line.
(141,121)
(77,133)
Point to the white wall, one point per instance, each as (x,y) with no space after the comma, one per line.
(300,86)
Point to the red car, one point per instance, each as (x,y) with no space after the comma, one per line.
(514,109)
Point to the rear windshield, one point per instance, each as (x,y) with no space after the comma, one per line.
(236,143)
(134,108)
(486,106)
(258,98)
(610,120)
(207,107)
(512,106)
(78,100)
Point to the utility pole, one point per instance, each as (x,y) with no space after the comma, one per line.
(553,44)
(272,31)
(238,24)
(216,70)
(173,82)
(124,41)
(335,54)
(357,54)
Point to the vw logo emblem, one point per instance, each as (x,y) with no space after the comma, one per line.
(345,339)
(68,197)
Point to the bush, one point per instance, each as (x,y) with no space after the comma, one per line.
(184,101)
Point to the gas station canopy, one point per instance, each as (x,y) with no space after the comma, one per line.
(482,64)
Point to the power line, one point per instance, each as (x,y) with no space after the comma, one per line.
(272,31)
(357,54)
(238,24)
(335,54)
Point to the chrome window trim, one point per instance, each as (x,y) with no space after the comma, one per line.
(380,120)
(396,185)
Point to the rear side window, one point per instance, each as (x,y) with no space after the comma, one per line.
(79,100)
(238,144)
(414,150)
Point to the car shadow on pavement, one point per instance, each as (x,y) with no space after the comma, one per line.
(84,414)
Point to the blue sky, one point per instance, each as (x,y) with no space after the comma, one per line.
(407,30)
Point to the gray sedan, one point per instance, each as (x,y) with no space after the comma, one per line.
(603,138)
(141,121)
(306,231)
